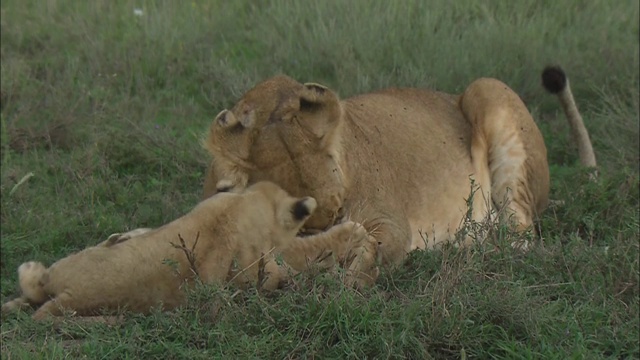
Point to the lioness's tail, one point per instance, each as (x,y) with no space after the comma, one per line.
(556,82)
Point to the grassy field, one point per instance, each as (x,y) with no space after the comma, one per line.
(106,109)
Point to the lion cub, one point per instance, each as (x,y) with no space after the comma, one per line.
(151,268)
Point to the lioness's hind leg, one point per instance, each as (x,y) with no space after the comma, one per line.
(515,152)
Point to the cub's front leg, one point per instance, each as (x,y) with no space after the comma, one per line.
(340,243)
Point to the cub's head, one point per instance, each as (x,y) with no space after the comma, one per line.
(288,212)
(296,143)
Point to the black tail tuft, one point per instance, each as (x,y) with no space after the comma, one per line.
(554,79)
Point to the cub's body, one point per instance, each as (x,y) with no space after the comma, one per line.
(152,268)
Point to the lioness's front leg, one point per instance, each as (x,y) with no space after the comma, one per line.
(388,244)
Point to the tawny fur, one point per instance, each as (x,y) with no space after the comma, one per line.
(403,162)
(507,150)
(146,270)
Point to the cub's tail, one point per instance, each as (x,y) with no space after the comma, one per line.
(556,82)
(32,276)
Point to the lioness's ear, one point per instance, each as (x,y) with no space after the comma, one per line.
(315,96)
(303,208)
(320,108)
(226,119)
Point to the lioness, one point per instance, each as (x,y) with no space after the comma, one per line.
(151,267)
(406,163)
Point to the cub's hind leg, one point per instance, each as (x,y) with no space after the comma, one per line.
(516,156)
(65,303)
(15,305)
(56,306)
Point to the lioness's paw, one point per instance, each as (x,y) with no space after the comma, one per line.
(363,269)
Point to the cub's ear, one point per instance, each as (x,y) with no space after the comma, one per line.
(303,208)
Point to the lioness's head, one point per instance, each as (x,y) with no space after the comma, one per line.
(292,139)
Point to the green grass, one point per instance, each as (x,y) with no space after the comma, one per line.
(106,109)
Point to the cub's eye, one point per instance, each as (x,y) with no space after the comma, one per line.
(224,189)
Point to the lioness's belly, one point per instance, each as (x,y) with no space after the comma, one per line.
(439,216)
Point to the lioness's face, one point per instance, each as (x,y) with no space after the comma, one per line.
(295,146)
(229,142)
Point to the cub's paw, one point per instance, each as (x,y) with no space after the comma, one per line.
(354,232)
(117,238)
